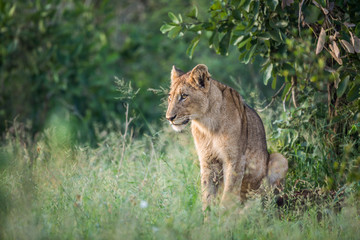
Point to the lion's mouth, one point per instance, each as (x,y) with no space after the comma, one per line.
(180,124)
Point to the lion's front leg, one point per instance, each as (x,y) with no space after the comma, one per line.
(233,176)
(211,179)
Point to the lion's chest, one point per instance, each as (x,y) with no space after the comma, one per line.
(211,145)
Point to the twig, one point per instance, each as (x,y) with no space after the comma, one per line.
(124,135)
(293,92)
(272,99)
(299,18)
(287,94)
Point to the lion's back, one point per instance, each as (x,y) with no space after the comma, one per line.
(256,131)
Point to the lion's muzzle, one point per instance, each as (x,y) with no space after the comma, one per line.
(178,124)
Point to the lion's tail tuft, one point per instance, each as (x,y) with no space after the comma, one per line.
(278,167)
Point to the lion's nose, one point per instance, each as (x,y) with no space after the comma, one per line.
(171,118)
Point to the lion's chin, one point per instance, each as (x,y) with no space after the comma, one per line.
(178,128)
(181,126)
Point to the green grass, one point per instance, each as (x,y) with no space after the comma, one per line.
(52,190)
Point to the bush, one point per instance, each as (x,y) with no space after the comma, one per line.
(57,57)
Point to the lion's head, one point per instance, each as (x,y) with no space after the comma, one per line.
(188,96)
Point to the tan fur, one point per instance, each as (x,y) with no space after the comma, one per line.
(278,166)
(229,136)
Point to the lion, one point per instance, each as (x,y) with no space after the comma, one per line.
(229,137)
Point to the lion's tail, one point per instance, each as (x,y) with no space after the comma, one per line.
(277,169)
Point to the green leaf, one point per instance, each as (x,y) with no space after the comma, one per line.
(282,24)
(193,13)
(242,42)
(216,6)
(288,70)
(357,79)
(264,36)
(173,18)
(165,28)
(353,93)
(272,4)
(12,10)
(240,26)
(246,5)
(42,27)
(242,3)
(235,3)
(236,14)
(357,29)
(342,86)
(255,10)
(209,26)
(173,33)
(273,84)
(286,89)
(180,18)
(223,27)
(195,27)
(267,74)
(242,56)
(224,43)
(249,54)
(235,39)
(190,50)
(311,14)
(323,3)
(276,35)
(214,41)
(353,129)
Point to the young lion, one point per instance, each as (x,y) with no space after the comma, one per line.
(229,136)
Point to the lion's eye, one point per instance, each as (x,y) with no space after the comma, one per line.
(183,96)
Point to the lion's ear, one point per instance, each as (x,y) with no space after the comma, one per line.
(201,76)
(175,73)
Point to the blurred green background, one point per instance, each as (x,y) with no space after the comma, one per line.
(60,58)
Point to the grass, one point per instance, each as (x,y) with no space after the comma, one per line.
(52,190)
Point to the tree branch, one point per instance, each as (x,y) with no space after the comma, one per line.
(299,17)
(272,99)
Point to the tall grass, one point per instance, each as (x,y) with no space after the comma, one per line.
(51,189)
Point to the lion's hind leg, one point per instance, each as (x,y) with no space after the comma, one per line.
(277,169)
